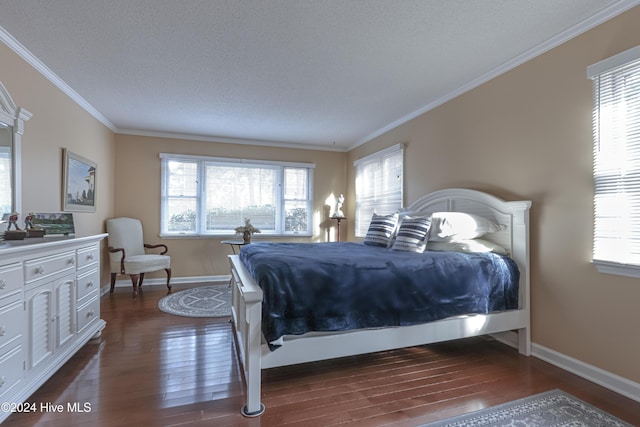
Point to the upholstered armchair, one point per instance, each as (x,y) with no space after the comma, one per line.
(128,255)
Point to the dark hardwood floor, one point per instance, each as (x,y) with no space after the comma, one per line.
(154,369)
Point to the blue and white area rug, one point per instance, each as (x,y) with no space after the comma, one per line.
(203,301)
(553,408)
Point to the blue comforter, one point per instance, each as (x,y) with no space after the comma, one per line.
(341,286)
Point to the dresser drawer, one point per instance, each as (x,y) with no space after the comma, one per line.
(39,268)
(11,322)
(88,313)
(11,369)
(88,256)
(88,284)
(10,279)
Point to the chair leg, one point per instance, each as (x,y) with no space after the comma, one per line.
(141,279)
(168,270)
(113,282)
(134,282)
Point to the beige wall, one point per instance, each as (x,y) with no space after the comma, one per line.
(138,194)
(57,122)
(527,135)
(524,135)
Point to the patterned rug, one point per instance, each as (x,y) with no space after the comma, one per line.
(553,408)
(203,301)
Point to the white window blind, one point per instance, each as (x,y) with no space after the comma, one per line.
(212,196)
(616,129)
(379,179)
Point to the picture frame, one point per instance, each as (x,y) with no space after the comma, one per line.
(79,183)
(54,223)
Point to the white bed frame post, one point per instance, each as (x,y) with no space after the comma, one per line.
(247,317)
(520,252)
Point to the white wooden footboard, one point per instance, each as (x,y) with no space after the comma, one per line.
(246,308)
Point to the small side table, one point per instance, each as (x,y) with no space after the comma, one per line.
(235,244)
(338,219)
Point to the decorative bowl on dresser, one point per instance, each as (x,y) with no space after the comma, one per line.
(49,309)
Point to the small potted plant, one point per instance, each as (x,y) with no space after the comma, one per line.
(247,230)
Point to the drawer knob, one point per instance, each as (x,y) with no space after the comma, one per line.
(90,284)
(90,313)
(2,380)
(3,283)
(90,256)
(39,270)
(71,261)
(3,331)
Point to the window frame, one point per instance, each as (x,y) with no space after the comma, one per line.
(363,213)
(607,262)
(202,162)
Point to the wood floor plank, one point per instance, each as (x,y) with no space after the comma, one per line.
(154,369)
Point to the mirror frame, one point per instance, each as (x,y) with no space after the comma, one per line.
(15,117)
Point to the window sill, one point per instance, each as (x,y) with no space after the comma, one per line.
(230,236)
(619,269)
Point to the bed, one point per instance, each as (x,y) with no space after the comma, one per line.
(263,343)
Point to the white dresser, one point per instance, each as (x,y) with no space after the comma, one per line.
(49,308)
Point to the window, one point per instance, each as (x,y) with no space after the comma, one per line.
(5,180)
(378,185)
(616,128)
(212,196)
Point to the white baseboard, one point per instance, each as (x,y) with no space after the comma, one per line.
(589,372)
(594,374)
(159,281)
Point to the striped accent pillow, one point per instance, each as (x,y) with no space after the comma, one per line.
(412,234)
(381,230)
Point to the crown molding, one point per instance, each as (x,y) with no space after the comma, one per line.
(39,66)
(595,20)
(32,60)
(242,141)
(582,27)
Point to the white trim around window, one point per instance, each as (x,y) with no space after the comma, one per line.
(379,185)
(616,156)
(209,196)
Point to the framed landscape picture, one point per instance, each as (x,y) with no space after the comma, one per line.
(79,182)
(54,223)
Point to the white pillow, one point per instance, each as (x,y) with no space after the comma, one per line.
(381,230)
(447,226)
(402,212)
(412,234)
(469,245)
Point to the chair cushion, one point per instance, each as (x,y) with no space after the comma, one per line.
(146,263)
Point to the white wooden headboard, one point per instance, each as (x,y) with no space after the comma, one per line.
(513,215)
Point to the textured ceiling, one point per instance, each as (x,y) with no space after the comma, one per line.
(312,73)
